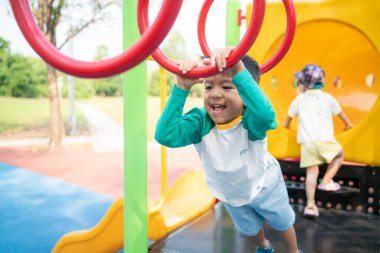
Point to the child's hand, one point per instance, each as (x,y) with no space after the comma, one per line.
(286,123)
(220,59)
(185,82)
(347,127)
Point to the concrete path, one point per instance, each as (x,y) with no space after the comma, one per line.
(107,135)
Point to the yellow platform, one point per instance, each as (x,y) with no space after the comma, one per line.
(343,37)
(187,199)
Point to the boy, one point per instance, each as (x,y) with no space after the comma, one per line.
(315,109)
(229,134)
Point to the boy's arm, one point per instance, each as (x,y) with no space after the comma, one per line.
(174,129)
(287,122)
(337,110)
(346,121)
(292,113)
(259,116)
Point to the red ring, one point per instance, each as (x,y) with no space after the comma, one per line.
(205,71)
(281,52)
(202,28)
(288,38)
(148,42)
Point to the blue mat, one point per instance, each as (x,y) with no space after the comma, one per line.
(36,210)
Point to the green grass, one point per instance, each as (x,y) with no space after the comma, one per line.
(18,114)
(113,107)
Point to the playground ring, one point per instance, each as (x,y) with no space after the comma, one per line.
(282,50)
(148,42)
(205,71)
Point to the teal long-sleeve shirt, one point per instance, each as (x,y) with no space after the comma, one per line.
(177,130)
(235,158)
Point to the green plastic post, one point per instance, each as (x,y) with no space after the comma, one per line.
(232,28)
(135,142)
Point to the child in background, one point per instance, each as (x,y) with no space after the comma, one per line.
(315,133)
(229,134)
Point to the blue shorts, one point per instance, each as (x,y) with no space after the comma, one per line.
(270,205)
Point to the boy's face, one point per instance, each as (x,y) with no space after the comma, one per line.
(222,100)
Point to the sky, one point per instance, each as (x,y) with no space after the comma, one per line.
(109,33)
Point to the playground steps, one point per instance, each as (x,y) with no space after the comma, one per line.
(360,188)
(345,190)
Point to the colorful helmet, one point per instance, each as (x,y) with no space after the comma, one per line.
(311,76)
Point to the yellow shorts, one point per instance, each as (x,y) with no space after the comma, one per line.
(316,153)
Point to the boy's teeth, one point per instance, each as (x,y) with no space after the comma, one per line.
(218,107)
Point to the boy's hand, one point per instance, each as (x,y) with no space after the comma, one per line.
(287,122)
(346,121)
(347,127)
(185,82)
(219,58)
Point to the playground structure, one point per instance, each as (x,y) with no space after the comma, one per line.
(346,44)
(134,214)
(342,69)
(330,34)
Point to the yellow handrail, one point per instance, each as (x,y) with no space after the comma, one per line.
(164,171)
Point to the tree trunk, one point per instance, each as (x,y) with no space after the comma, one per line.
(48,14)
(56,132)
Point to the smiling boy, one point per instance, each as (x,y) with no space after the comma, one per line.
(229,134)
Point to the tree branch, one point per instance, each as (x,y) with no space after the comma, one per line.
(95,18)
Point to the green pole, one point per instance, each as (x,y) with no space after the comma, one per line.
(135,142)
(232,28)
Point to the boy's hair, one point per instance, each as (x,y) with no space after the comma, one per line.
(252,66)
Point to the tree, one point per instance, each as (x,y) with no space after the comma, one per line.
(110,86)
(4,55)
(4,46)
(27,76)
(175,49)
(49,14)
(21,76)
(175,46)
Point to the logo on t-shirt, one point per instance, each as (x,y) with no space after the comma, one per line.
(243,152)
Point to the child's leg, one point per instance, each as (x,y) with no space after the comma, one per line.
(260,240)
(273,205)
(333,168)
(289,238)
(248,222)
(312,173)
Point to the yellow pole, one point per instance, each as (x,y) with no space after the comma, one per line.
(164,173)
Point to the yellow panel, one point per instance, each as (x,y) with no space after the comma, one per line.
(345,43)
(348,70)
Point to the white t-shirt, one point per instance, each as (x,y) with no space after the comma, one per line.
(315,110)
(235,166)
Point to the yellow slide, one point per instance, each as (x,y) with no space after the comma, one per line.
(187,199)
(345,42)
